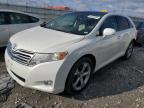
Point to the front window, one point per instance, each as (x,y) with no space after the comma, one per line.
(110,22)
(75,23)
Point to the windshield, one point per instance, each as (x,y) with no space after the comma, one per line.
(75,23)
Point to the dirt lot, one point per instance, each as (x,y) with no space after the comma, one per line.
(119,85)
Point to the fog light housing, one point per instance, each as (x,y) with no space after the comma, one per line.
(47,83)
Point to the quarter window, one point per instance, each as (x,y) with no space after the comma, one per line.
(33,19)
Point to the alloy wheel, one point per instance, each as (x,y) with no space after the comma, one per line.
(130,50)
(81,76)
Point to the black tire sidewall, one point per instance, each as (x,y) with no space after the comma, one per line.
(126,54)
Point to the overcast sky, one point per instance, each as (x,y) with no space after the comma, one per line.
(124,6)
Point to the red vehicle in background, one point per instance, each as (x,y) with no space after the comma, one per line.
(63,8)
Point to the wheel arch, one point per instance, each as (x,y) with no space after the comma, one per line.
(64,71)
(91,56)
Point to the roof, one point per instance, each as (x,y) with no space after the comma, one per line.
(91,12)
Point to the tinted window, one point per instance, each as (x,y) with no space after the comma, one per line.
(123,23)
(33,19)
(17,18)
(110,22)
(137,23)
(4,19)
(141,26)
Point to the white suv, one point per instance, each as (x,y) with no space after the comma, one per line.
(12,22)
(64,53)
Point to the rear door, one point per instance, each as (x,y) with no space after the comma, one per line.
(4,29)
(125,31)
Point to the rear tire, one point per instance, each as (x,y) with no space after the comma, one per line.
(79,76)
(129,51)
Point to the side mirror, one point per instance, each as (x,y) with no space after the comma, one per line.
(108,32)
(43,24)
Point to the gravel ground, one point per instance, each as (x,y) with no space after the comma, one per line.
(118,85)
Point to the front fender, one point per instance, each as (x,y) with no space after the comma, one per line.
(67,66)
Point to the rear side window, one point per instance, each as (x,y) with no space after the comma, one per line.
(123,23)
(4,19)
(110,22)
(17,18)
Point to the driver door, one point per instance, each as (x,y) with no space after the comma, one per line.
(107,47)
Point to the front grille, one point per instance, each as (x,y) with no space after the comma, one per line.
(21,56)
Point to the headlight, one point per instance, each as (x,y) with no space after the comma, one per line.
(42,58)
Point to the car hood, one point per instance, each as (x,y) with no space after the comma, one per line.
(44,40)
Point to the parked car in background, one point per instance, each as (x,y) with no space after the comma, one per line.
(140,33)
(12,22)
(63,54)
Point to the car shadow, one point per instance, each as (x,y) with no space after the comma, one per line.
(116,78)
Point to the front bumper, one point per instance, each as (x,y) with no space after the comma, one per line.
(33,77)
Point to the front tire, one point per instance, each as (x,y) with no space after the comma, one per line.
(79,76)
(129,51)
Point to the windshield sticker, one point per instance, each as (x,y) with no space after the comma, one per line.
(85,32)
(81,27)
(94,17)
